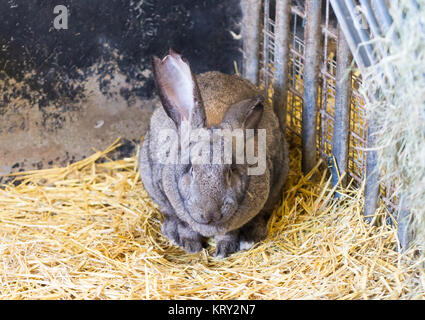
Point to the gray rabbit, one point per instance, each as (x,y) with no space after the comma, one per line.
(220,200)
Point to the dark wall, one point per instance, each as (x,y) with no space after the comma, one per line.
(137,29)
(58,86)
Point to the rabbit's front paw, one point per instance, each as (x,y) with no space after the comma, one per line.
(182,235)
(248,240)
(191,245)
(226,245)
(253,232)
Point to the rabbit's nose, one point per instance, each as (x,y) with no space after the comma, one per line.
(212,216)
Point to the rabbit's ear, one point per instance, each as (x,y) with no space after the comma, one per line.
(178,90)
(245,114)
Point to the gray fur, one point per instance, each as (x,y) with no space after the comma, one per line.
(200,201)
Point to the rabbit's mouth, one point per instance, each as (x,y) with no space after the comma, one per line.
(207,222)
(209,229)
(215,218)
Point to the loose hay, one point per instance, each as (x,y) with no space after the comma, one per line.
(89,231)
(399,111)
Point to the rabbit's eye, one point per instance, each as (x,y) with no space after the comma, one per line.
(188,169)
(230,173)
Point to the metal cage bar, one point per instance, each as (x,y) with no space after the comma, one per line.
(340,141)
(268,44)
(371,192)
(281,54)
(313,38)
(328,72)
(354,33)
(251,12)
(357,40)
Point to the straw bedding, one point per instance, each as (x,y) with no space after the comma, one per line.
(90,231)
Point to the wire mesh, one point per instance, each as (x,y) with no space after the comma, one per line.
(357,141)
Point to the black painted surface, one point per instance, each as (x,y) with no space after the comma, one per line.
(137,29)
